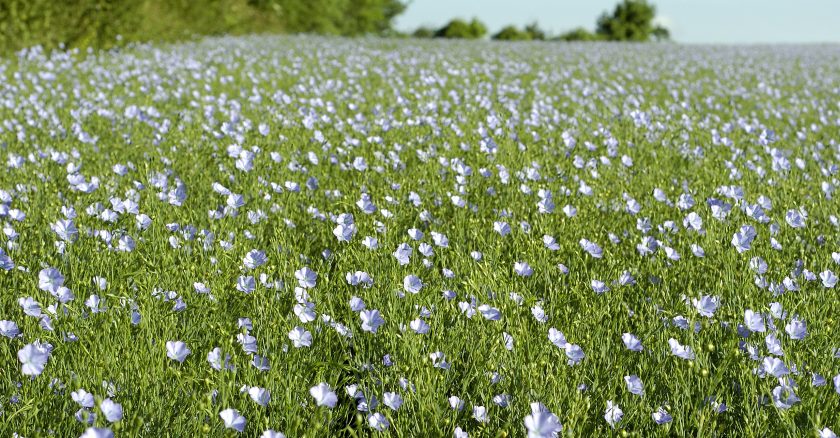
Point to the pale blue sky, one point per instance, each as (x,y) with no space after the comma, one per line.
(690,21)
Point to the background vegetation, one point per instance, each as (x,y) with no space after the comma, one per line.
(631,20)
(106,23)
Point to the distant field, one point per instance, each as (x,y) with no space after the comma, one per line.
(330,237)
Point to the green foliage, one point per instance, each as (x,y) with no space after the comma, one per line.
(106,23)
(511,33)
(334,17)
(98,23)
(458,28)
(30,22)
(534,31)
(631,20)
(579,34)
(661,33)
(423,32)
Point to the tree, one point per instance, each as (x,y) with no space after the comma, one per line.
(423,32)
(371,16)
(478,28)
(535,32)
(333,17)
(579,34)
(97,23)
(511,33)
(631,20)
(661,33)
(458,28)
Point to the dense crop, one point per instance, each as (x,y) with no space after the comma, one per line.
(329,237)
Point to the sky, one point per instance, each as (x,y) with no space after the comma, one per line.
(690,21)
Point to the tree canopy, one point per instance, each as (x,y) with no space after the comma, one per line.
(512,33)
(97,23)
(631,20)
(578,34)
(105,23)
(458,28)
(535,31)
(333,17)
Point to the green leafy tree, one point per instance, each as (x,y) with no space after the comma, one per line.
(25,23)
(423,32)
(333,17)
(458,28)
(631,20)
(579,34)
(98,23)
(534,31)
(511,33)
(478,29)
(661,33)
(370,16)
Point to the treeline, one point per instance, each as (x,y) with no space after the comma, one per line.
(631,20)
(105,23)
